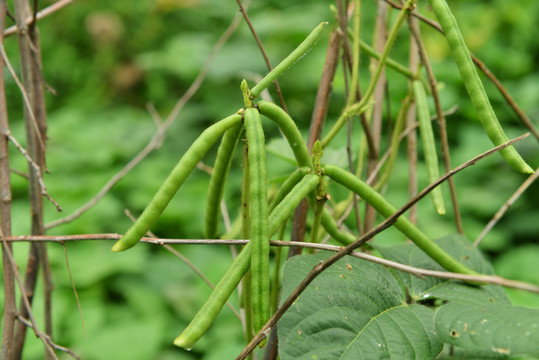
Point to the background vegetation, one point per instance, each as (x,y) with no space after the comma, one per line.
(106,60)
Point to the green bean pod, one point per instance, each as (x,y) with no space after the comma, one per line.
(230,280)
(429,146)
(330,225)
(376,200)
(290,131)
(225,153)
(258,203)
(219,296)
(173,182)
(288,185)
(474,86)
(290,60)
(307,184)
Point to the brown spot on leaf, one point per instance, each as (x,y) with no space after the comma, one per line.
(502,350)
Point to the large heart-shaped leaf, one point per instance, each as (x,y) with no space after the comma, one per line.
(434,288)
(502,329)
(359,310)
(354,310)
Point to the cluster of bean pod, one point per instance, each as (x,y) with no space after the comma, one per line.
(304,182)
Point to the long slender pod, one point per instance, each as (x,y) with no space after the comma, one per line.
(474,86)
(429,146)
(173,182)
(289,129)
(300,191)
(258,202)
(330,225)
(376,200)
(290,60)
(230,280)
(218,178)
(291,181)
(218,297)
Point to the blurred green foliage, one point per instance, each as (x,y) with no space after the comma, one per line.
(106,60)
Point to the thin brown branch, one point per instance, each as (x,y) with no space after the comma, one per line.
(37,169)
(263,52)
(52,344)
(157,139)
(35,123)
(25,301)
(10,302)
(75,292)
(379,42)
(25,96)
(508,98)
(325,88)
(323,265)
(506,206)
(39,15)
(490,279)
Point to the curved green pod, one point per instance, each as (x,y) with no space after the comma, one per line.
(283,210)
(225,153)
(429,146)
(290,131)
(330,225)
(474,86)
(381,205)
(291,181)
(219,296)
(173,182)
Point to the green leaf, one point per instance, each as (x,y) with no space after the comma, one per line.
(494,328)
(434,288)
(354,310)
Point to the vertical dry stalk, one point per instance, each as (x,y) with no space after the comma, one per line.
(317,123)
(29,49)
(377,113)
(411,139)
(10,307)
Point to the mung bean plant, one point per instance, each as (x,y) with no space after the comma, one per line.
(324,321)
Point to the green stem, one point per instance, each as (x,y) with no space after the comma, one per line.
(399,125)
(389,62)
(290,131)
(288,185)
(361,106)
(355,61)
(330,225)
